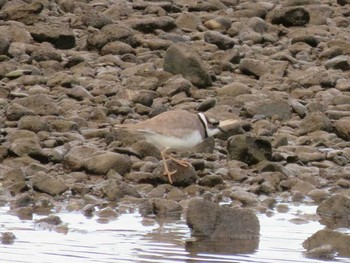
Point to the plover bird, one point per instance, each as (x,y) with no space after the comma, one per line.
(174,130)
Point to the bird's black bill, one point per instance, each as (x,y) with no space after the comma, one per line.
(222,130)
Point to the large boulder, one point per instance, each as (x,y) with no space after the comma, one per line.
(248,149)
(181,59)
(207,219)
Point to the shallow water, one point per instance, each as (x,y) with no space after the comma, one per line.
(132,238)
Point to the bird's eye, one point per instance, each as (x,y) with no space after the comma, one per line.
(214,122)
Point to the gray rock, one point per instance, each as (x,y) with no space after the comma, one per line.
(248,149)
(342,128)
(45,52)
(289,16)
(40,104)
(218,23)
(174,85)
(313,122)
(102,163)
(15,111)
(117,48)
(95,19)
(338,62)
(144,148)
(254,67)
(184,176)
(48,184)
(233,89)
(63,126)
(27,146)
(75,158)
(181,59)
(337,206)
(110,33)
(270,108)
(338,241)
(22,12)
(33,123)
(59,36)
(207,6)
(216,38)
(188,21)
(207,219)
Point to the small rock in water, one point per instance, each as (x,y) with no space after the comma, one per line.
(7,238)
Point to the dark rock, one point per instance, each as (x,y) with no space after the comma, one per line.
(4,43)
(207,104)
(48,184)
(7,238)
(216,38)
(166,208)
(102,163)
(207,219)
(59,36)
(148,25)
(210,180)
(343,2)
(110,33)
(248,149)
(289,16)
(181,59)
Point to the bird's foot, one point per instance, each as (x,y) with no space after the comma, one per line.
(180,162)
(169,174)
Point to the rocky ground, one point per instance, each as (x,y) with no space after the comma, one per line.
(69,70)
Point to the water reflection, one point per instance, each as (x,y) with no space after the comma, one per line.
(222,246)
(134,238)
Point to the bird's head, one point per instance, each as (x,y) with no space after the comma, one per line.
(211,125)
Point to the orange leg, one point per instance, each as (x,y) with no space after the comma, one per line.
(166,168)
(180,162)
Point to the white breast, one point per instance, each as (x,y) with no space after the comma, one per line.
(175,143)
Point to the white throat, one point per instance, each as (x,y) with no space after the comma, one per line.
(210,132)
